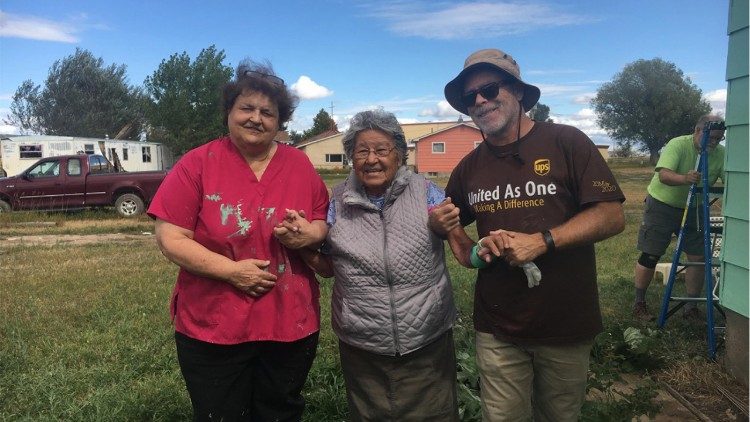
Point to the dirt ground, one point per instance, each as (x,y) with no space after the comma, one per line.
(707,402)
(698,404)
(73,239)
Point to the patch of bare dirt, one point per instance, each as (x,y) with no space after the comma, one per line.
(704,385)
(73,239)
(689,402)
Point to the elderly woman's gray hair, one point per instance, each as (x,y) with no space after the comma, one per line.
(379,120)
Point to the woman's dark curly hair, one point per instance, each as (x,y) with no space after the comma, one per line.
(259,77)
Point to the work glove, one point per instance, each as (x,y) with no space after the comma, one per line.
(533,275)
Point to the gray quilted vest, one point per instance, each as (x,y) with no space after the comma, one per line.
(392,293)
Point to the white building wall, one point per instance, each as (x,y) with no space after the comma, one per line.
(17,153)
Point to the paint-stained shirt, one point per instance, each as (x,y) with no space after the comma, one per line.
(213,192)
(555,174)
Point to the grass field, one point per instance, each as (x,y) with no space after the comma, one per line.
(85,331)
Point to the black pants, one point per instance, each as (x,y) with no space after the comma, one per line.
(254,381)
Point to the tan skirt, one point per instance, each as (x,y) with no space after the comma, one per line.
(419,386)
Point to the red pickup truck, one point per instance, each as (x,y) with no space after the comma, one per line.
(78,181)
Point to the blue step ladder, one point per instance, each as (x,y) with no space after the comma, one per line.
(711,228)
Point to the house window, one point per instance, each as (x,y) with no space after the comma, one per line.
(30,151)
(146,154)
(88,148)
(124,154)
(438,147)
(334,158)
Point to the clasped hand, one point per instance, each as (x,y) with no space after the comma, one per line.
(251,276)
(516,248)
(444,217)
(294,230)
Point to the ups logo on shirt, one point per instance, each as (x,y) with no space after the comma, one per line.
(541,166)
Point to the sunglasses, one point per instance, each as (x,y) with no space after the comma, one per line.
(489,92)
(270,78)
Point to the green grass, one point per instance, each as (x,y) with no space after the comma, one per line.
(86,336)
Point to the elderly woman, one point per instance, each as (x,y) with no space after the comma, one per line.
(392,301)
(245,308)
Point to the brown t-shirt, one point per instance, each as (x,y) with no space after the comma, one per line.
(538,183)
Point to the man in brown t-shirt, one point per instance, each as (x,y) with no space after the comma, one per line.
(539,192)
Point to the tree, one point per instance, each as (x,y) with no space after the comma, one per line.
(22,109)
(184,107)
(622,149)
(296,137)
(540,113)
(322,122)
(81,97)
(648,103)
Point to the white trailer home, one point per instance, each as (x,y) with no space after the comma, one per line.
(17,153)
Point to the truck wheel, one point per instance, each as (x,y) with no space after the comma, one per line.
(4,207)
(129,205)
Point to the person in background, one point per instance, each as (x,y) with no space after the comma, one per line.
(664,208)
(245,306)
(392,301)
(539,192)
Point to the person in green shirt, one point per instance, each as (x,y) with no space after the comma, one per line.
(664,207)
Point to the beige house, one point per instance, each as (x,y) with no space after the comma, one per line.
(603,150)
(327,152)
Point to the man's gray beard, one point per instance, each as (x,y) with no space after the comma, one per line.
(494,129)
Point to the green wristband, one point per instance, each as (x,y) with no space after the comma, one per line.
(476,261)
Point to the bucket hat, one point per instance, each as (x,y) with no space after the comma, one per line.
(491,59)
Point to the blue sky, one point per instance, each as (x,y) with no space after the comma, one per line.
(363,54)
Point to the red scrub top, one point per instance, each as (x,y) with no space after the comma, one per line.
(213,192)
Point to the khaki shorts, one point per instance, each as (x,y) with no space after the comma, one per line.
(660,222)
(546,382)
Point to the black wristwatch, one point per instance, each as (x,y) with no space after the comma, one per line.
(548,240)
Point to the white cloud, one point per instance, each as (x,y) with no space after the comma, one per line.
(30,27)
(718,100)
(584,119)
(4,128)
(552,72)
(584,99)
(551,90)
(307,89)
(9,130)
(441,110)
(477,19)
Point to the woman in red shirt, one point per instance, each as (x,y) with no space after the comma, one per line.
(245,307)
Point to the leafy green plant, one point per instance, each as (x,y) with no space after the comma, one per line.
(469,404)
(616,351)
